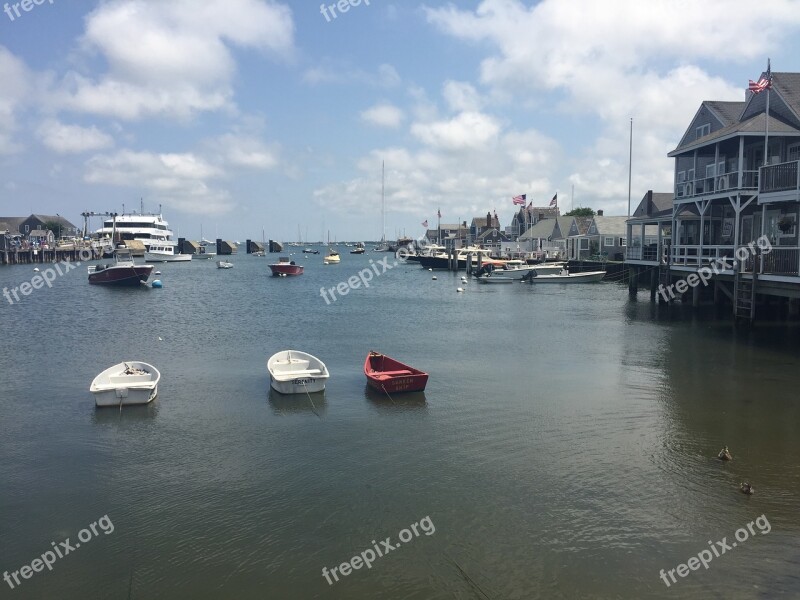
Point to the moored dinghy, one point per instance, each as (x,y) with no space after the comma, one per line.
(567,277)
(131,382)
(295,372)
(389,375)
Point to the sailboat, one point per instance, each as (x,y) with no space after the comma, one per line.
(383,246)
(332,258)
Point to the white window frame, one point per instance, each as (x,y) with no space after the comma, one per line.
(711,171)
(623,242)
(584,244)
(681,176)
(703,130)
(606,239)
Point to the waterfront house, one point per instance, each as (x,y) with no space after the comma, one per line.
(578,241)
(481,224)
(25,225)
(493,239)
(528,216)
(726,195)
(649,228)
(547,235)
(608,235)
(42,237)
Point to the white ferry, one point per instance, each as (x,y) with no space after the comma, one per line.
(147,228)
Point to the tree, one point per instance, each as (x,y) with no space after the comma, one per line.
(580,212)
(53,226)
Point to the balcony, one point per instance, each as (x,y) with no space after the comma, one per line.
(693,255)
(728,182)
(780,183)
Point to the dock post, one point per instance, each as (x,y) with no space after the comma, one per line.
(653,284)
(633,282)
(696,296)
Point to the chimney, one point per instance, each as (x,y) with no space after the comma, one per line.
(599,212)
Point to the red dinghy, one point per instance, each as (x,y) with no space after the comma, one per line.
(385,374)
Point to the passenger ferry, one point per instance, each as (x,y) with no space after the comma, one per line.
(147,228)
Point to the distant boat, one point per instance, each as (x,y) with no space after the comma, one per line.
(124,272)
(285,267)
(295,372)
(389,375)
(206,250)
(332,258)
(360,249)
(310,251)
(587,277)
(224,264)
(492,278)
(165,253)
(131,382)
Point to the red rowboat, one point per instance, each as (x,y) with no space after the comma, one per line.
(388,375)
(285,267)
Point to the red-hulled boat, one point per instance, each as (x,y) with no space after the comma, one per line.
(285,267)
(124,272)
(389,375)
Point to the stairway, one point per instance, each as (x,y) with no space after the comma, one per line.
(744,296)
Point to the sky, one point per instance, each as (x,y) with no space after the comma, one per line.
(243,116)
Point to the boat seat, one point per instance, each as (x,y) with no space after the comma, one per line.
(402,372)
(306,372)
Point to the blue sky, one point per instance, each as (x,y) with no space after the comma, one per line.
(238,115)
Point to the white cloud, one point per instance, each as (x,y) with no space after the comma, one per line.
(13,92)
(460,95)
(468,130)
(574,58)
(247,151)
(180,181)
(67,139)
(172,59)
(383,115)
(332,71)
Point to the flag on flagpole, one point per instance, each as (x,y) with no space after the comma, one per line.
(425,223)
(759,86)
(519,199)
(554,201)
(440,213)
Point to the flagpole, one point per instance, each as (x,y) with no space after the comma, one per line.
(439,226)
(630,165)
(766,132)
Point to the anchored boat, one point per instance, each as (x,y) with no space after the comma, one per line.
(285,267)
(124,272)
(386,374)
(131,382)
(295,372)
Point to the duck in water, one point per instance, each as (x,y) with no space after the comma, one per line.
(724,454)
(747,488)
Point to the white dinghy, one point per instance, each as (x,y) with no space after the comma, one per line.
(567,277)
(295,372)
(130,382)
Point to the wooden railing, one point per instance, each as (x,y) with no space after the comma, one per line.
(779,178)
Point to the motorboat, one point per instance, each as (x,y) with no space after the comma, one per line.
(285,267)
(441,260)
(224,264)
(518,269)
(124,272)
(495,278)
(332,258)
(389,375)
(295,372)
(160,252)
(359,249)
(207,250)
(310,251)
(566,277)
(131,382)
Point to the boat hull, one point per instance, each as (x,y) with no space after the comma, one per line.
(386,374)
(281,270)
(121,276)
(159,258)
(588,277)
(299,385)
(497,279)
(125,397)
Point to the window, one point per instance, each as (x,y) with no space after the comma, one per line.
(793,152)
(703,130)
(690,175)
(710,171)
(623,242)
(584,243)
(681,176)
(608,241)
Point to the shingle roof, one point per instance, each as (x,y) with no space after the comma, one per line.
(13,223)
(40,233)
(542,229)
(754,125)
(55,219)
(611,225)
(727,112)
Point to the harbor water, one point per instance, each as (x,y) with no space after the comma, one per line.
(565,446)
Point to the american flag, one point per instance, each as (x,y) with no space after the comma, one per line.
(519,199)
(425,223)
(764,83)
(554,201)
(759,86)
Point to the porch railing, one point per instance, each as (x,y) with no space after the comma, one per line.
(744,180)
(781,261)
(633,253)
(779,178)
(691,255)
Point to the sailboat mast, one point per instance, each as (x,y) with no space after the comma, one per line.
(383,201)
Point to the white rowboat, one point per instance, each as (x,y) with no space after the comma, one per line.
(130,382)
(295,372)
(587,277)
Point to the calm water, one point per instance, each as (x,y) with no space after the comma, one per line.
(564,447)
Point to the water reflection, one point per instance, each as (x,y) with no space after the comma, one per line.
(112,415)
(313,403)
(409,400)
